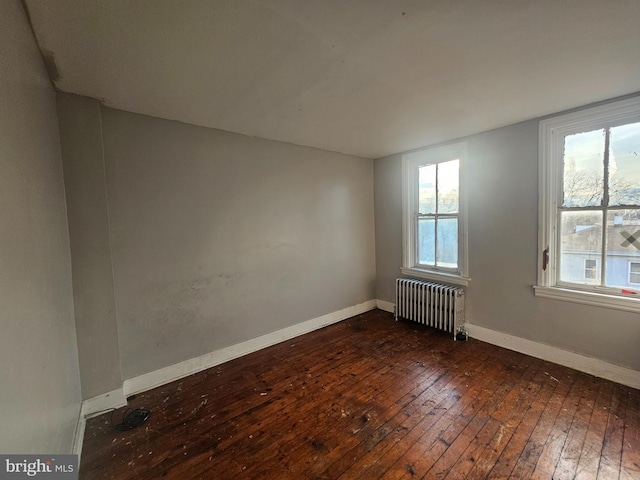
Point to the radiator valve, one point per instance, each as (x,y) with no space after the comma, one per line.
(462,335)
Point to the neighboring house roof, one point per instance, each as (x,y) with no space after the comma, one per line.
(621,238)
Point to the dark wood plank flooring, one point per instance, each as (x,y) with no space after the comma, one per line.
(372,398)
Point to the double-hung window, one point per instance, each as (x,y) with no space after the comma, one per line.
(590,206)
(434,220)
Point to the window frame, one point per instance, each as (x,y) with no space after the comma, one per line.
(591,270)
(410,191)
(551,134)
(633,273)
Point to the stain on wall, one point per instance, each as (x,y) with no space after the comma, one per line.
(219,238)
(49,59)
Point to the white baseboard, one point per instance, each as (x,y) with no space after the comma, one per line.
(386,306)
(79,435)
(101,403)
(590,365)
(117,398)
(168,374)
(95,406)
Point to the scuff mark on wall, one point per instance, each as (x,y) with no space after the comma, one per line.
(175,306)
(49,59)
(182,294)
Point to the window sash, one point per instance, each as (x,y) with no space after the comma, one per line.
(552,133)
(436,217)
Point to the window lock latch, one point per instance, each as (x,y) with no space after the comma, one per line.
(545,258)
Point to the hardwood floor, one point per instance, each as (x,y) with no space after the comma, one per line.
(373,398)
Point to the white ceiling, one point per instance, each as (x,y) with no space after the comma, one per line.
(365,77)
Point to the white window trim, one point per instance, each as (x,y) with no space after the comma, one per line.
(588,298)
(410,162)
(550,142)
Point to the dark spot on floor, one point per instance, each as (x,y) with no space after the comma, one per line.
(318,445)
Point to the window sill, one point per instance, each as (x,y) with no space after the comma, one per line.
(435,276)
(627,304)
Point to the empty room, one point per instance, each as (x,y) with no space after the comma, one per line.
(295,239)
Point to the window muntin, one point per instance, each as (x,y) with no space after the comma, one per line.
(434,224)
(590,203)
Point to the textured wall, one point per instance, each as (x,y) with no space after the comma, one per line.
(218,238)
(87,211)
(40,384)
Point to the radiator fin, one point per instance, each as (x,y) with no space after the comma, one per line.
(432,304)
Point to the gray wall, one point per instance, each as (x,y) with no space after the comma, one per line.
(39,379)
(218,238)
(87,211)
(503,242)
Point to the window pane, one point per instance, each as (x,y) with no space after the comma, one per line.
(426,241)
(583,169)
(427,189)
(624,165)
(448,242)
(590,269)
(581,240)
(623,245)
(448,180)
(634,273)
